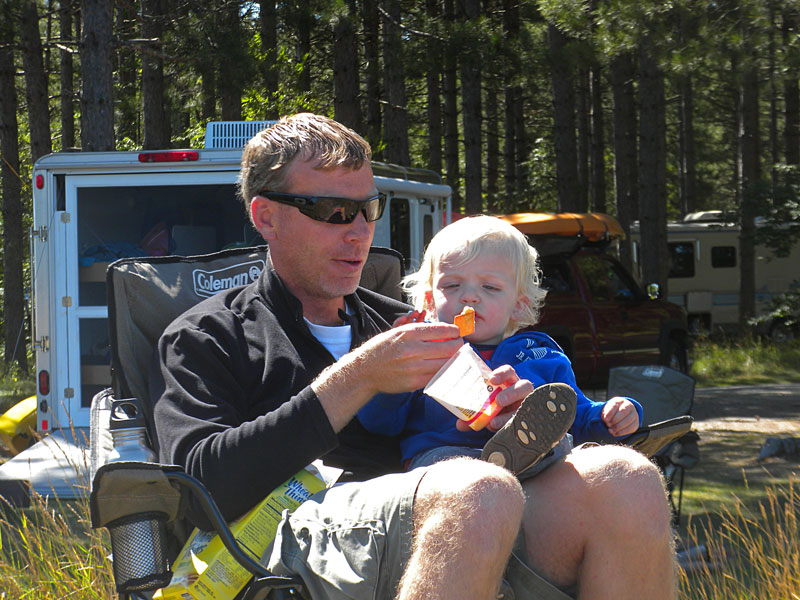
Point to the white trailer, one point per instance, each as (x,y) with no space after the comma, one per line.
(704,270)
(90,208)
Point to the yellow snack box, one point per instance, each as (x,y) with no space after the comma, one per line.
(205,570)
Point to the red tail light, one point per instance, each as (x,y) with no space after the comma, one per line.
(182,155)
(44,383)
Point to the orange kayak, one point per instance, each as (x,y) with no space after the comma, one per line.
(594,227)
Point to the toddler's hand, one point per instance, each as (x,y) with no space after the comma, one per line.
(413,316)
(620,416)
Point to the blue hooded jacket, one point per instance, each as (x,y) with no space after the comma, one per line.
(423,423)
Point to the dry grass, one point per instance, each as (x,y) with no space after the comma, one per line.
(50,552)
(752,553)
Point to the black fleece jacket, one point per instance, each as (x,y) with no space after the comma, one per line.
(232,402)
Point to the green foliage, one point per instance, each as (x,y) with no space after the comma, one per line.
(744,361)
(783,311)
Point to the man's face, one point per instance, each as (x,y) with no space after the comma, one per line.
(319,262)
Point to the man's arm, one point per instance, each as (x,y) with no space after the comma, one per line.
(399,360)
(244,424)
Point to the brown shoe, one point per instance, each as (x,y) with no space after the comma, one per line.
(542,419)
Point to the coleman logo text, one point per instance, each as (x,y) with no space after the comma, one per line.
(208,283)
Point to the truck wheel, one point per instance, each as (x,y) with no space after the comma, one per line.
(675,355)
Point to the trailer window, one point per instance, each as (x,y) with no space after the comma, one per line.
(723,257)
(681,259)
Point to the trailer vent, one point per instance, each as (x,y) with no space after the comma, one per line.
(232,134)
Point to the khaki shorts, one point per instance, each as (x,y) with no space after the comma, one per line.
(354,540)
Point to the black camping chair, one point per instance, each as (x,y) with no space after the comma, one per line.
(142,503)
(667,397)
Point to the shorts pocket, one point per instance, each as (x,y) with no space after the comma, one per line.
(334,561)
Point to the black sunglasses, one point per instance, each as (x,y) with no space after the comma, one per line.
(331,209)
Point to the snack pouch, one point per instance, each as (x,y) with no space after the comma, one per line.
(205,570)
(462,387)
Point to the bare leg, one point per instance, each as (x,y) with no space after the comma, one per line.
(466,517)
(600,520)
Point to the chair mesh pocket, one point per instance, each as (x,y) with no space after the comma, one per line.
(139,548)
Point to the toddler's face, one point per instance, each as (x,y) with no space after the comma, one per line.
(487,283)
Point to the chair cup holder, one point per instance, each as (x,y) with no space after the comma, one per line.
(139,552)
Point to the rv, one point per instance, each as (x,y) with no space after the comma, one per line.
(90,208)
(704,272)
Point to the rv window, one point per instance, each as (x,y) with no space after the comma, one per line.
(723,257)
(681,259)
(400,226)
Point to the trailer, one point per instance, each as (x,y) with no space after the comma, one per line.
(90,208)
(704,274)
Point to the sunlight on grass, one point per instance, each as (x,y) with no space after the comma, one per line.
(745,361)
(753,552)
(49,551)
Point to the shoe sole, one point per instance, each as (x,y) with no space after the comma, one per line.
(542,419)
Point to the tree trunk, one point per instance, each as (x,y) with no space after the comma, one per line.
(582,137)
(346,107)
(597,169)
(450,91)
(155,132)
(67,74)
(208,91)
(36,92)
(97,106)
(749,170)
(268,25)
(231,63)
(433,89)
(522,148)
(493,204)
(563,81)
(471,115)
(395,118)
(126,74)
(304,23)
(687,157)
(652,170)
(372,75)
(626,181)
(791,92)
(511,94)
(13,248)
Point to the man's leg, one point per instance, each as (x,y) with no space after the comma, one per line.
(466,517)
(600,521)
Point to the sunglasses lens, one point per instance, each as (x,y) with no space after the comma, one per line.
(341,212)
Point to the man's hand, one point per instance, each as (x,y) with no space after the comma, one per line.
(412,316)
(399,360)
(620,416)
(513,392)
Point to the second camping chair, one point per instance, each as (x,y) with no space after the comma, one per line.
(667,397)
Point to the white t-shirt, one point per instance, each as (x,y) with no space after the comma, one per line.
(335,339)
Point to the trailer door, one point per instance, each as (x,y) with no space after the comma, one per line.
(106,217)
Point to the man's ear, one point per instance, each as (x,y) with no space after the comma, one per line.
(262,213)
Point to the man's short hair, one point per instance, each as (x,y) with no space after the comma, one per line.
(305,136)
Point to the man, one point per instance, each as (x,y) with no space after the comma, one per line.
(255,383)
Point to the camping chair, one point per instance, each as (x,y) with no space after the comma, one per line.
(140,502)
(666,396)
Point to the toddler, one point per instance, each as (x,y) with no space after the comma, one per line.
(484,263)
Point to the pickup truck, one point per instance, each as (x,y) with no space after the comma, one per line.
(594,308)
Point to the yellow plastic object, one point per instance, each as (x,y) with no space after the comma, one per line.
(17,425)
(593,226)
